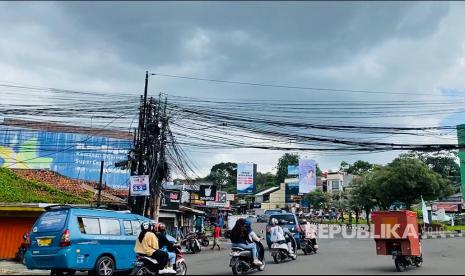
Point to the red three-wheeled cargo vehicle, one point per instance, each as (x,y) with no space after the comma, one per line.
(397,234)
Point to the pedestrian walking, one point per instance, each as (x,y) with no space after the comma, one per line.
(216,237)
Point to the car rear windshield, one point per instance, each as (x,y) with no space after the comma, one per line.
(51,221)
(269,212)
(284,219)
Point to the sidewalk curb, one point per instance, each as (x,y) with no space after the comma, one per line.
(443,236)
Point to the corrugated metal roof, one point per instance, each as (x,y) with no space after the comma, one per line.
(267,191)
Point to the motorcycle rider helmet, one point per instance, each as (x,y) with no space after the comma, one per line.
(274,221)
(145,226)
(248,225)
(161,227)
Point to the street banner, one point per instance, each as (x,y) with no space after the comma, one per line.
(208,192)
(245,178)
(307,176)
(170,200)
(425,212)
(140,185)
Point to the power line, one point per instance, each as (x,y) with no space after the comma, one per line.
(292,86)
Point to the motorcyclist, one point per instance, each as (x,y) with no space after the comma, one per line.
(147,245)
(165,244)
(309,232)
(252,235)
(239,236)
(278,234)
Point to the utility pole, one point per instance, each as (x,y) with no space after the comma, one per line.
(138,167)
(100,184)
(162,118)
(149,158)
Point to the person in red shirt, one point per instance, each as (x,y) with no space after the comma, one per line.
(216,237)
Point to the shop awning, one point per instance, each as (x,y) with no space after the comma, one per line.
(191,210)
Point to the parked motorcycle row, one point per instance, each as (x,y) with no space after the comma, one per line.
(242,262)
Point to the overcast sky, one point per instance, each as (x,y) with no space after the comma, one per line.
(108,46)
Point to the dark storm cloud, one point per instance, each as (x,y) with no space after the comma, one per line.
(289,34)
(107,46)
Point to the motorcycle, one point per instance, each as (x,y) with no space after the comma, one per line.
(192,244)
(280,251)
(404,262)
(202,237)
(242,260)
(308,247)
(149,266)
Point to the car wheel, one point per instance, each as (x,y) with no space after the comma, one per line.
(105,265)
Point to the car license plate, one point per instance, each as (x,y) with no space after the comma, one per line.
(44,242)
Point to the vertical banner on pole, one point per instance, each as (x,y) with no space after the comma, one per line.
(307,176)
(245,178)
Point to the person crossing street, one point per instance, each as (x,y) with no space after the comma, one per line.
(216,237)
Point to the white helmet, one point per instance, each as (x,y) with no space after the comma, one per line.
(274,221)
(145,226)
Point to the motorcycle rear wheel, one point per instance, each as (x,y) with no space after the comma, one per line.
(419,261)
(277,258)
(142,271)
(205,243)
(181,268)
(401,266)
(235,269)
(304,249)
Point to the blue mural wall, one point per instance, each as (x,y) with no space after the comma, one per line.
(73,155)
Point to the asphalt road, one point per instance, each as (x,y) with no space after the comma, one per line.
(335,256)
(339,256)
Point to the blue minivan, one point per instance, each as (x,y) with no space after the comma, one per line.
(67,239)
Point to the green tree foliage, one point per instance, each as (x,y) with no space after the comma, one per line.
(444,163)
(264,181)
(285,160)
(224,175)
(363,195)
(406,180)
(320,199)
(360,167)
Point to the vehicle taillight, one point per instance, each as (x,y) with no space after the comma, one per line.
(65,239)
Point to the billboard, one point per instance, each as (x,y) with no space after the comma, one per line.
(75,156)
(170,200)
(208,192)
(245,178)
(292,170)
(292,189)
(307,176)
(140,185)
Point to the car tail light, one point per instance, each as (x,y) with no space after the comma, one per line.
(65,239)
